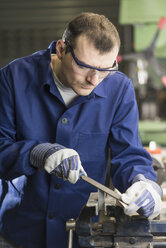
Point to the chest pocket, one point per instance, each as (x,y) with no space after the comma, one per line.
(92,146)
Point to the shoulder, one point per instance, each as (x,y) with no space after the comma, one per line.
(119,79)
(26,69)
(118,85)
(26,64)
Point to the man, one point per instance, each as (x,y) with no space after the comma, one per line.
(61,110)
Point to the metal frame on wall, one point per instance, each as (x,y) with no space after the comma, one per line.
(28,26)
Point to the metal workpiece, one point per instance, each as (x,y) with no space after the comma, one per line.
(105,195)
(101,187)
(100,201)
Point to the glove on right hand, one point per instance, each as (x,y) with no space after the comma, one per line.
(142,197)
(57,159)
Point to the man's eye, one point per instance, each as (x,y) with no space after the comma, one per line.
(104,72)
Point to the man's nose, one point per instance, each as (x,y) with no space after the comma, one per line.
(93,78)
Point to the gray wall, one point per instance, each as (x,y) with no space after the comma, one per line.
(30,25)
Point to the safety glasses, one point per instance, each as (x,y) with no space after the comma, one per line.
(87,70)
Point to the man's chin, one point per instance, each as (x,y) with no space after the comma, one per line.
(83,91)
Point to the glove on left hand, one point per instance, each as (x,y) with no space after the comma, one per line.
(143,198)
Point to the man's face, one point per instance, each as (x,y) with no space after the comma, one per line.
(84,80)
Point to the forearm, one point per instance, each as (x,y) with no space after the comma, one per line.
(14,158)
(128,157)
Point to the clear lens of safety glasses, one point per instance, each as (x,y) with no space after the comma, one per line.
(84,71)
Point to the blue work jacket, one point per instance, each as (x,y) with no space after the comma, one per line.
(34,204)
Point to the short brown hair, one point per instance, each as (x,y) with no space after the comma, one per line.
(96,27)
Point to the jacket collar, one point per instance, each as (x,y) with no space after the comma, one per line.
(100,89)
(44,65)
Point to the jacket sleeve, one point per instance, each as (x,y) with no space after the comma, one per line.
(14,154)
(128,157)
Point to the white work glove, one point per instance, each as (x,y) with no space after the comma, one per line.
(141,197)
(57,159)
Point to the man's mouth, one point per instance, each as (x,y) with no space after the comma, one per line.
(86,86)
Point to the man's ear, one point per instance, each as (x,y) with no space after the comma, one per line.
(60,49)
